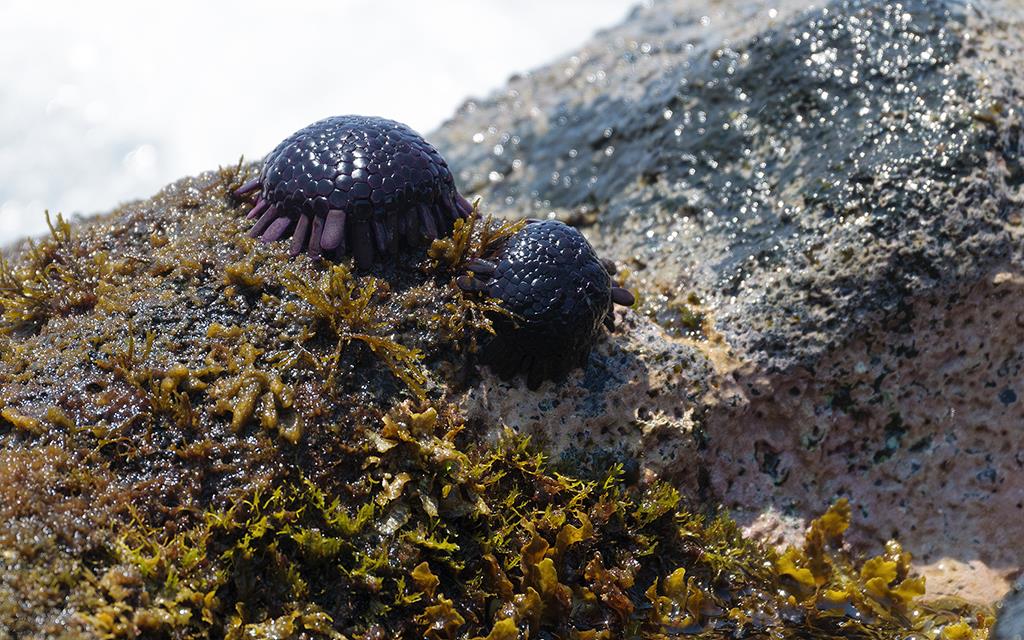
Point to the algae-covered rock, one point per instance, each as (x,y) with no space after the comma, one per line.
(1010,617)
(827,203)
(202,437)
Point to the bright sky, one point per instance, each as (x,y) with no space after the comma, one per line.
(106,101)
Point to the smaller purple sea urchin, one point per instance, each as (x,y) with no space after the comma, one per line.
(560,294)
(354,185)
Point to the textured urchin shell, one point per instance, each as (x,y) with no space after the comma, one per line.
(559,292)
(354,185)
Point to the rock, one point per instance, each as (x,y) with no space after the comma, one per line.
(200,435)
(636,397)
(820,214)
(1010,618)
(827,205)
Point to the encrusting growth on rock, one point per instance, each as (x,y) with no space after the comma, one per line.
(273,447)
(54,278)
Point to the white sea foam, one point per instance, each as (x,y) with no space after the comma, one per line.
(102,102)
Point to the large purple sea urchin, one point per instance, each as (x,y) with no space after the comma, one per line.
(559,294)
(354,185)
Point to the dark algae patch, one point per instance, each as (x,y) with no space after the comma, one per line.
(201,437)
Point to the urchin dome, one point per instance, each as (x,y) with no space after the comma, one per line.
(355,164)
(354,185)
(548,275)
(558,293)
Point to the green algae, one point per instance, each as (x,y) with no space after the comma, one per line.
(495,544)
(351,310)
(223,442)
(467,317)
(52,279)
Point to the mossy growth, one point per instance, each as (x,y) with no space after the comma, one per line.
(438,538)
(683,316)
(53,278)
(351,310)
(200,437)
(468,317)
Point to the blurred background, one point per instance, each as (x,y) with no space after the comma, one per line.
(103,102)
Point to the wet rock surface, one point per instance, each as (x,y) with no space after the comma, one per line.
(1010,617)
(819,212)
(827,204)
(203,437)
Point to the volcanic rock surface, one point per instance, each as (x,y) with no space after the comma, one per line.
(826,205)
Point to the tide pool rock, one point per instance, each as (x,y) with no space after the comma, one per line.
(827,205)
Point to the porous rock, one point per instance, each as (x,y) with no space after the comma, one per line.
(827,204)
(1010,621)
